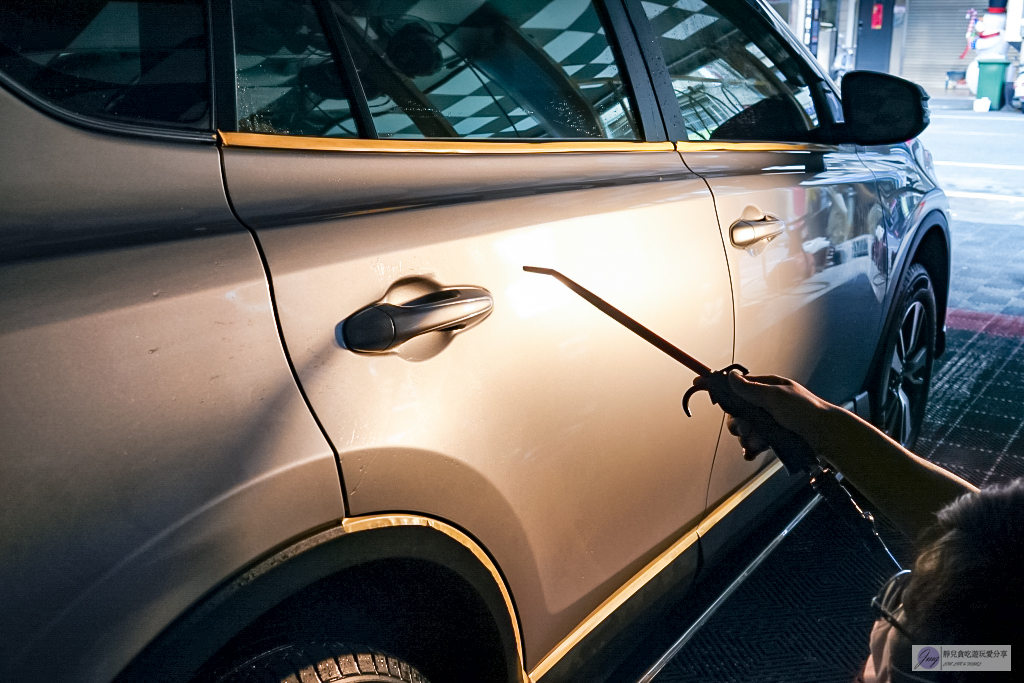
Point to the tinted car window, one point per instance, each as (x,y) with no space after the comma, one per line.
(287,77)
(731,76)
(496,69)
(135,61)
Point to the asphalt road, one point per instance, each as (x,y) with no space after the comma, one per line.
(979,158)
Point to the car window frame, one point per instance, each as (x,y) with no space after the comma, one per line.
(619,32)
(810,70)
(817,78)
(120,127)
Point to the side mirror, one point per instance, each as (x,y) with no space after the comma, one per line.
(881,109)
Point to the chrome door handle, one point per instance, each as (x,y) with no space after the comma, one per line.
(746,233)
(382,326)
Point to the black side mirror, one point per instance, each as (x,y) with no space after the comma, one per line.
(881,109)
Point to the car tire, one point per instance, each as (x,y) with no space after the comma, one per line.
(905,372)
(322,662)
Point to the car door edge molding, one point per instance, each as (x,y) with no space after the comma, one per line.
(358,145)
(650,571)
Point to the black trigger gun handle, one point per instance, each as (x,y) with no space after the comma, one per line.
(795,453)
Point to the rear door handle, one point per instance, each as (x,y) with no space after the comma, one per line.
(381,327)
(746,233)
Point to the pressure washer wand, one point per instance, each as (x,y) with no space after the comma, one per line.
(792,450)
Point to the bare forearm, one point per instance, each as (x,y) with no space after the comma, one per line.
(905,488)
(900,485)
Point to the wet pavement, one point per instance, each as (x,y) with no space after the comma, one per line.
(804,614)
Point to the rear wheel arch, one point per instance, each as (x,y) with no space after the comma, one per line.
(424,574)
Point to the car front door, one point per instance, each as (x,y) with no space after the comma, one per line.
(801,221)
(476,139)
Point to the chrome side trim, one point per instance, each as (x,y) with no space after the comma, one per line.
(356,145)
(351,525)
(653,568)
(656,668)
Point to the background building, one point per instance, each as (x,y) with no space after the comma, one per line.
(917,39)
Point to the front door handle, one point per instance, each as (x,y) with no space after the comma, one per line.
(746,233)
(381,327)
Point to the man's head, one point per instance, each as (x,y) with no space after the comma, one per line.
(967,586)
(968,581)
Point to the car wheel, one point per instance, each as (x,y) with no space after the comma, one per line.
(322,661)
(902,384)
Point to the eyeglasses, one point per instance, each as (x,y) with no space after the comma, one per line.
(889,599)
(888,602)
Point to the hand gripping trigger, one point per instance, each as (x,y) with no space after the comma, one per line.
(795,453)
(703,384)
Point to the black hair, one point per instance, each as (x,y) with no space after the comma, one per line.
(967,586)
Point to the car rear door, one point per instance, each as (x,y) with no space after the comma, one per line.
(744,107)
(152,437)
(477,139)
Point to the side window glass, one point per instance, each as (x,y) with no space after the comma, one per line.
(287,78)
(487,69)
(142,62)
(733,79)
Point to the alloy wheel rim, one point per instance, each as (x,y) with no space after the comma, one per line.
(906,381)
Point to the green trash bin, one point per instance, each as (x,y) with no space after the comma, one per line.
(991,76)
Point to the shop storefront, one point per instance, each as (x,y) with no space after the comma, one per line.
(921,40)
(936,43)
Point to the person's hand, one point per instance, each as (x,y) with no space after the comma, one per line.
(790,404)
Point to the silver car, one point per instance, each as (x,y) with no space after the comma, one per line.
(277,396)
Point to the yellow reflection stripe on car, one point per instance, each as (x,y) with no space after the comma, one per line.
(298,142)
(730,503)
(353,525)
(652,569)
(613,603)
(688,146)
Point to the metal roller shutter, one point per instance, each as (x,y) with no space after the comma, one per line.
(935,39)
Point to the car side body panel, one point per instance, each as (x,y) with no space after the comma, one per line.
(808,302)
(813,294)
(165,483)
(523,430)
(153,439)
